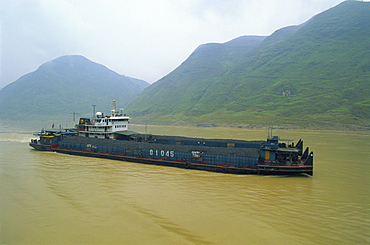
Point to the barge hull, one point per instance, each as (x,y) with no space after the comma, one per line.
(108,137)
(265,170)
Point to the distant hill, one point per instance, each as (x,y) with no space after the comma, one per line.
(186,85)
(314,73)
(67,84)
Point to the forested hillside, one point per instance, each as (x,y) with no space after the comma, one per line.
(186,85)
(314,73)
(67,84)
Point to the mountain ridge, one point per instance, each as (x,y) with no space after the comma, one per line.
(70,82)
(316,72)
(213,64)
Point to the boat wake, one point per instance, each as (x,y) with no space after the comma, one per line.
(17,138)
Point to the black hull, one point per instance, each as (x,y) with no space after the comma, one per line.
(262,170)
(41,147)
(285,170)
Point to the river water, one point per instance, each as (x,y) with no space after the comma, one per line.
(52,198)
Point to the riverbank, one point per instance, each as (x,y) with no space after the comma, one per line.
(308,126)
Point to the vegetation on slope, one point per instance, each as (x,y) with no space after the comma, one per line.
(179,91)
(65,85)
(317,72)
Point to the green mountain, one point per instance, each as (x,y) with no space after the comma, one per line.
(315,73)
(187,83)
(67,84)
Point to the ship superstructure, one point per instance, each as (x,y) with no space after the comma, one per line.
(104,127)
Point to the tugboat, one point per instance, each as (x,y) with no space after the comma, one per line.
(49,138)
(109,137)
(278,157)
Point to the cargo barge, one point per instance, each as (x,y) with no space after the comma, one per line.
(108,137)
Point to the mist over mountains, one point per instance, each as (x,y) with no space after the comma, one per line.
(67,84)
(315,73)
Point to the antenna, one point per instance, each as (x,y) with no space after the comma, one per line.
(146,128)
(114,108)
(93,110)
(74,118)
(269,133)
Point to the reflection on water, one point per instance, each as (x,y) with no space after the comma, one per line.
(61,199)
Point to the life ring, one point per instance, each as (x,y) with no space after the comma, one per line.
(187,165)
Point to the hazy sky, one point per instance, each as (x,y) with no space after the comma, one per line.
(145,39)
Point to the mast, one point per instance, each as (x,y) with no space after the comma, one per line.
(93,116)
(114,108)
(269,133)
(74,118)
